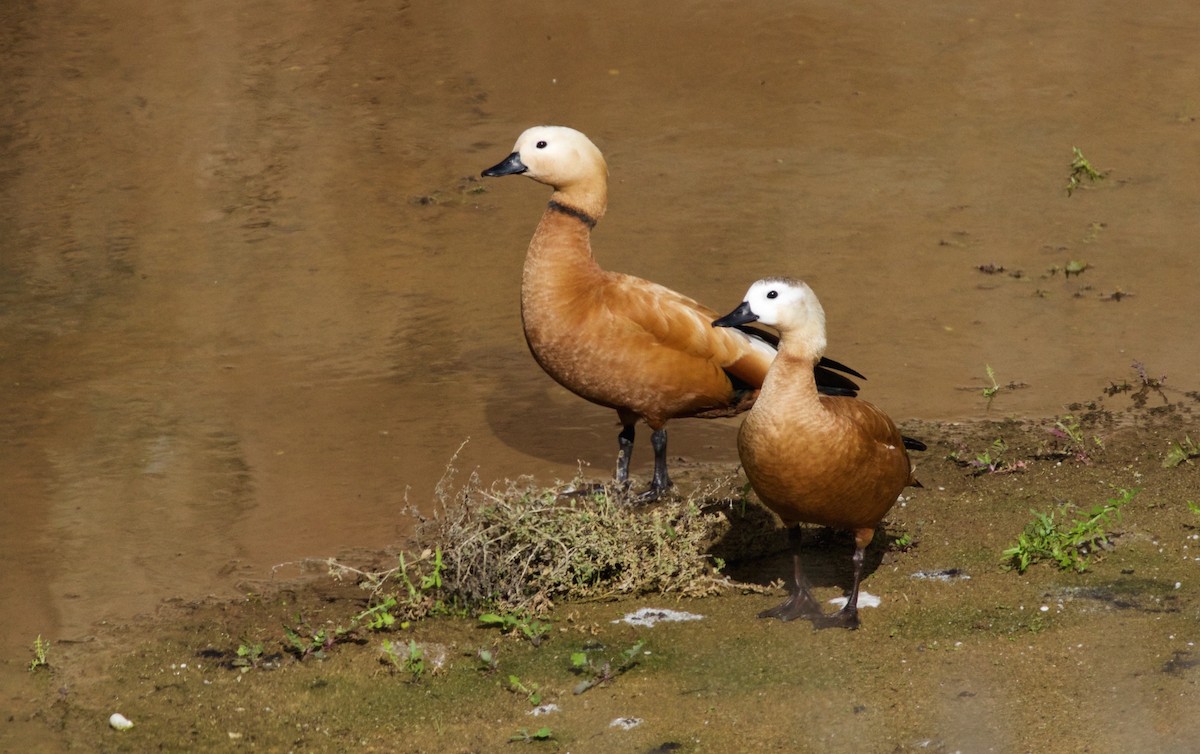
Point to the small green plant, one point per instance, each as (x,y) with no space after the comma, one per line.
(433,579)
(989,461)
(1193,507)
(522,625)
(487,660)
(41,650)
(420,591)
(1181,453)
(1068,545)
(408,658)
(541,734)
(531,691)
(249,655)
(990,392)
(1073,444)
(377,617)
(1081,169)
(304,641)
(902,543)
(389,654)
(601,673)
(1068,428)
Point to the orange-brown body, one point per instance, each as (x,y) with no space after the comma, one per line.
(817,459)
(624,342)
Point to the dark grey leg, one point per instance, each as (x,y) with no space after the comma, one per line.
(661,482)
(847,617)
(624,453)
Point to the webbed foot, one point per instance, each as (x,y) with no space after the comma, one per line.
(652,494)
(847,617)
(587,489)
(799,604)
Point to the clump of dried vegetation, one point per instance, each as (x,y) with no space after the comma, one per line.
(518,548)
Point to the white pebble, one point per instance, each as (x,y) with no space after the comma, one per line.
(119,721)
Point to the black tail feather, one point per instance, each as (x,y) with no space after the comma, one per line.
(830,382)
(831,364)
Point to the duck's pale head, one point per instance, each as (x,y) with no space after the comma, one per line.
(789,306)
(555,155)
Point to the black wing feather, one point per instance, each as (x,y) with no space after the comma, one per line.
(826,371)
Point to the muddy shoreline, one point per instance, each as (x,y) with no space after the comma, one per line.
(962,654)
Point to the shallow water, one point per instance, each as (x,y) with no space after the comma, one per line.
(253,300)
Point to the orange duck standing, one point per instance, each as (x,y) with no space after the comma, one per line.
(830,460)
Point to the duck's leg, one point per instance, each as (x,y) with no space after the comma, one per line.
(847,617)
(624,453)
(660,482)
(800,602)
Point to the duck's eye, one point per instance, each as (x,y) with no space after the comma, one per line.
(541,145)
(772,294)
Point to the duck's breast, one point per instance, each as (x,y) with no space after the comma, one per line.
(842,466)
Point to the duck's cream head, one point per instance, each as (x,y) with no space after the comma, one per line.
(564,159)
(789,306)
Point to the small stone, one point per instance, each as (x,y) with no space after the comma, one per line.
(117,721)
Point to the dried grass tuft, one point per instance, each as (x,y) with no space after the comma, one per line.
(520,547)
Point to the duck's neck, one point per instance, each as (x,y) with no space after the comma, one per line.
(588,196)
(791,378)
(559,263)
(570,211)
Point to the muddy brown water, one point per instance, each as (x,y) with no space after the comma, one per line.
(253,298)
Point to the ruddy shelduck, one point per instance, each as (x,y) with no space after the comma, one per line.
(831,460)
(617,340)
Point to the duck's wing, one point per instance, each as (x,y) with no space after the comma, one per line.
(874,426)
(657,316)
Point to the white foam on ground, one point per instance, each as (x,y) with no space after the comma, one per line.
(648,616)
(947,574)
(865,599)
